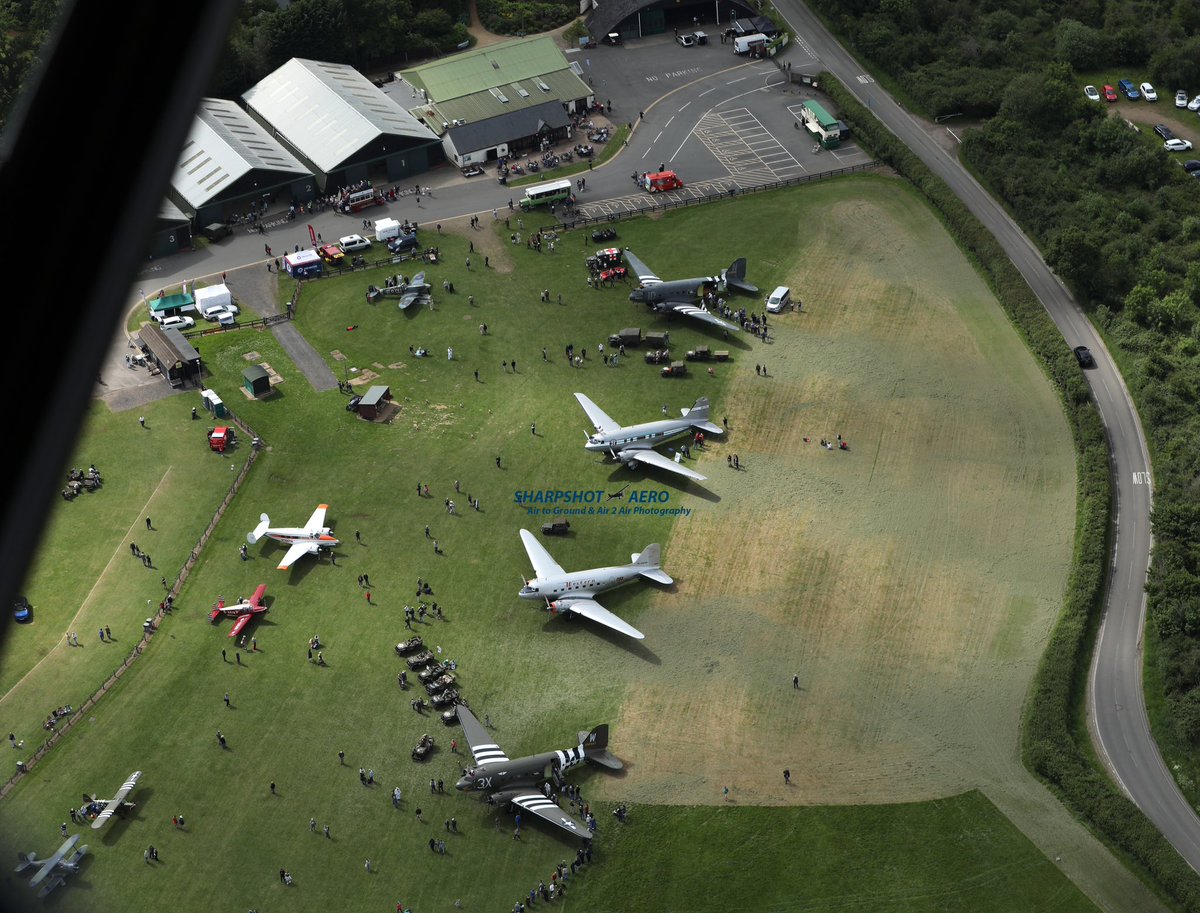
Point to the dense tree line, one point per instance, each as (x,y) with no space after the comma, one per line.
(363,33)
(525,17)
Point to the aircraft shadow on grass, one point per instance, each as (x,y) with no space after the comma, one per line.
(620,476)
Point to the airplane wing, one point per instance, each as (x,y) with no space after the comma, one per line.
(692,310)
(408,298)
(241,622)
(656,459)
(115,802)
(317,520)
(483,747)
(539,805)
(296,552)
(600,419)
(644,273)
(593,611)
(257,598)
(543,564)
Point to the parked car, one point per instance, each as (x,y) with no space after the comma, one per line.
(1191,165)
(1129,90)
(1084,356)
(1194,104)
(353,242)
(213,313)
(1091,93)
(1181,99)
(177,323)
(1110,94)
(403,243)
(1148,92)
(686,40)
(1178,145)
(779,299)
(1164,131)
(22,610)
(223,316)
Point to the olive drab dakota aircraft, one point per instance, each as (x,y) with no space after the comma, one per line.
(309,539)
(571,593)
(686,296)
(633,444)
(523,781)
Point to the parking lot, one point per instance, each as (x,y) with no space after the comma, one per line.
(718,119)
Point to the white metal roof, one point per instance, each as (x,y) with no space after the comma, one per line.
(328,111)
(225,143)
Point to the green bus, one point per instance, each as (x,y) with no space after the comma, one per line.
(541,194)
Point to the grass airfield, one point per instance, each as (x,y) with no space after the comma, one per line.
(909,582)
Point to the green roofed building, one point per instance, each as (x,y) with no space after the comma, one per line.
(171,305)
(506,99)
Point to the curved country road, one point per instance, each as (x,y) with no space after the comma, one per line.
(1117,717)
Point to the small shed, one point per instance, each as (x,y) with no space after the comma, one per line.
(374,401)
(256,381)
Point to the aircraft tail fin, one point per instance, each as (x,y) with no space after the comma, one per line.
(263,523)
(647,563)
(698,416)
(735,277)
(594,745)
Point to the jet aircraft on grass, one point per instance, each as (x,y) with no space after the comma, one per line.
(309,539)
(243,610)
(523,781)
(571,593)
(686,296)
(633,444)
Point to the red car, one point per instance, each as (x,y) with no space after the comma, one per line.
(1110,94)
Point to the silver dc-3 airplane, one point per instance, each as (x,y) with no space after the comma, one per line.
(300,540)
(633,445)
(686,296)
(571,593)
(523,781)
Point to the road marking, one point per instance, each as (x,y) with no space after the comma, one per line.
(667,124)
(706,91)
(1141,478)
(739,79)
(685,105)
(864,79)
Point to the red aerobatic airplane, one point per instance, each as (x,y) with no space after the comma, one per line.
(244,610)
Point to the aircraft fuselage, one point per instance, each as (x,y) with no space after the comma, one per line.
(669,294)
(294,534)
(528,771)
(646,434)
(579,583)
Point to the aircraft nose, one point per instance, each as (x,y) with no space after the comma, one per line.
(463,783)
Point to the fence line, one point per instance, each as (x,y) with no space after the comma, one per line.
(658,204)
(67,724)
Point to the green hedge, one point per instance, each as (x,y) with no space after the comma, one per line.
(1048,744)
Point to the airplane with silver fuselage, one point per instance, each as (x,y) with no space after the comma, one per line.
(570,593)
(309,539)
(52,873)
(633,444)
(686,296)
(523,781)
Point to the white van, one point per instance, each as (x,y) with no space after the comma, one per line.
(779,300)
(386,229)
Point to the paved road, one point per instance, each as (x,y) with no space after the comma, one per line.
(1118,719)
